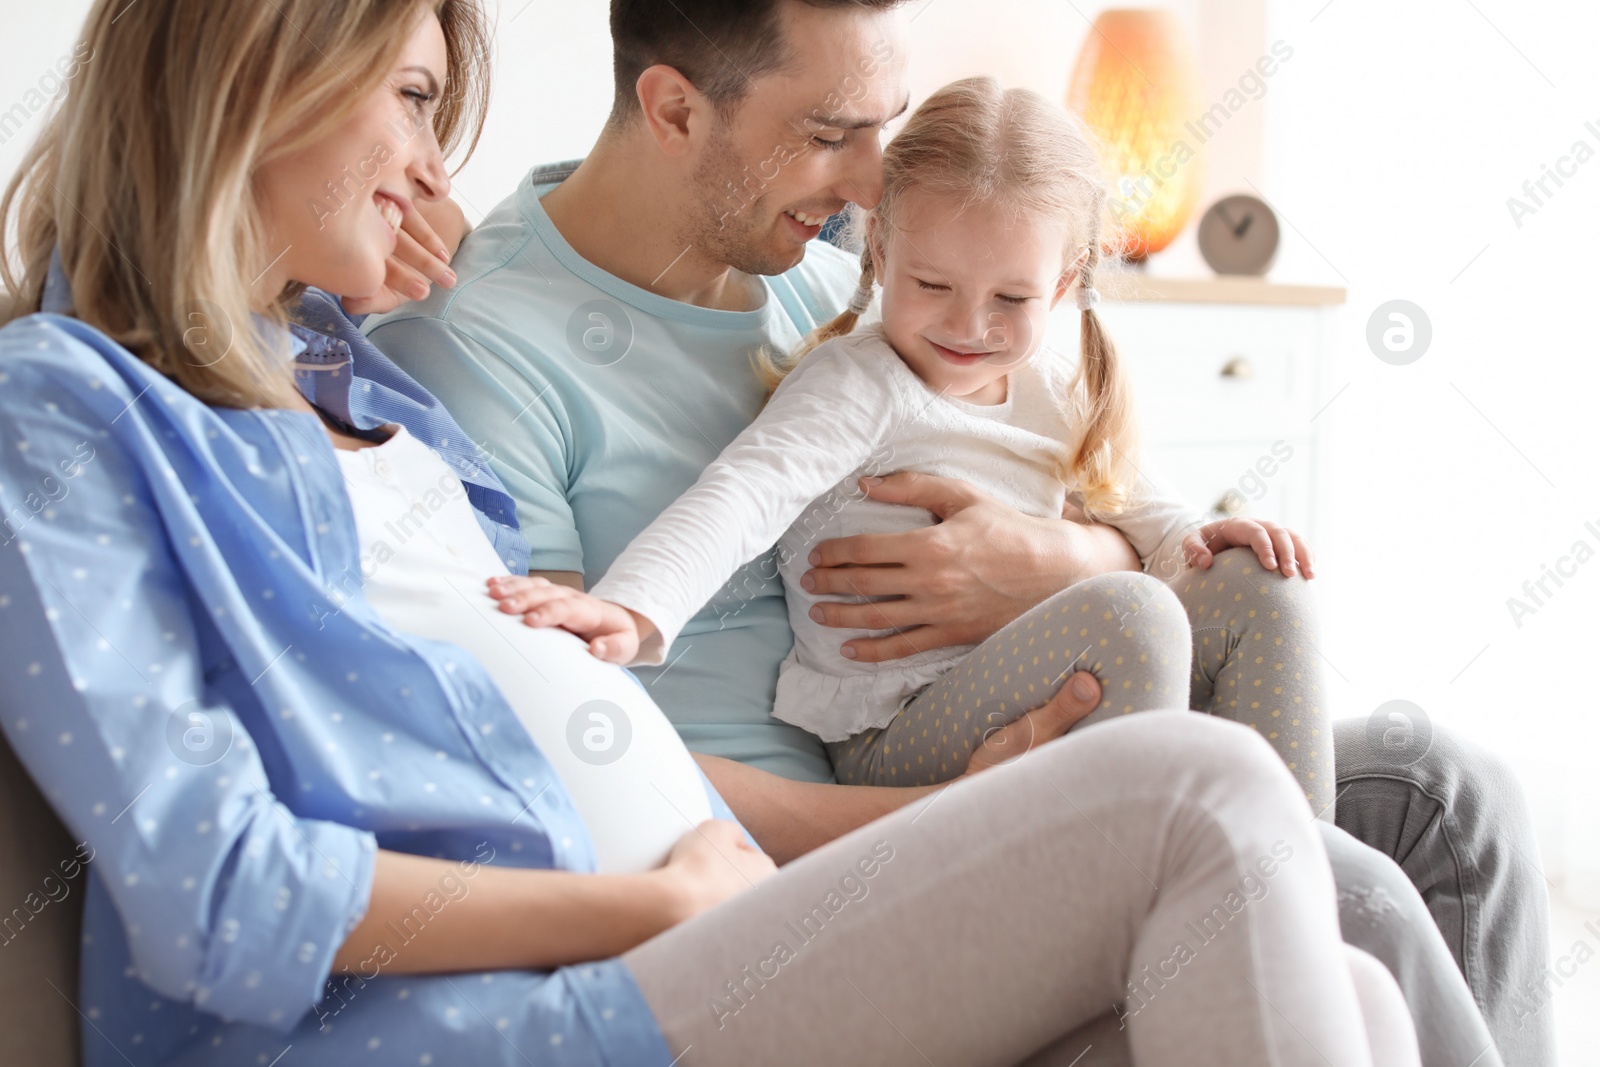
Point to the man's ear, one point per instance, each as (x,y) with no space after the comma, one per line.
(875,239)
(671,108)
(1072,273)
(1064,285)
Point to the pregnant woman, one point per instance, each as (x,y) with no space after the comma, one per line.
(339,806)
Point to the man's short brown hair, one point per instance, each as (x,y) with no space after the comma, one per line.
(719,45)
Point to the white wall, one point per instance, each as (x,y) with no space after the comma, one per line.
(1397,134)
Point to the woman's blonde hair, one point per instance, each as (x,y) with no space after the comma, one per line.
(978,142)
(143,177)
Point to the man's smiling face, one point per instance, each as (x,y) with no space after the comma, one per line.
(805,140)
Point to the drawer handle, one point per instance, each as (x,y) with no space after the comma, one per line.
(1238,367)
(1231,503)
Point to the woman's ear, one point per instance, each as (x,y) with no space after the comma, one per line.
(670,106)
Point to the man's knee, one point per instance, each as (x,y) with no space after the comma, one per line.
(1432,760)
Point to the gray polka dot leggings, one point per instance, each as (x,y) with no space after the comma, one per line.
(1240,641)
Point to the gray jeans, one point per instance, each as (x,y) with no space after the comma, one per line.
(1438,877)
(1438,829)
(1455,821)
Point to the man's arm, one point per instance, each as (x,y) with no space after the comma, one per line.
(789,818)
(980,567)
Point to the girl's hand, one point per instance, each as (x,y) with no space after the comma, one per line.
(429,236)
(1278,547)
(711,863)
(614,633)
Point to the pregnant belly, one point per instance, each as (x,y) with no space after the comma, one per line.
(631,777)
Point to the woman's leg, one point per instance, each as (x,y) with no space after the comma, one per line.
(1389,1031)
(1256,662)
(1382,914)
(1126,627)
(1159,864)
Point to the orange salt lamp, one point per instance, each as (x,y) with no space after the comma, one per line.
(1136,85)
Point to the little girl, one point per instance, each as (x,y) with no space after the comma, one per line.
(990,216)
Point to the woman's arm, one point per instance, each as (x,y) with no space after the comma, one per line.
(471,917)
(109,700)
(428,239)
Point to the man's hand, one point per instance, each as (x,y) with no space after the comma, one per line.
(1073,702)
(429,236)
(982,565)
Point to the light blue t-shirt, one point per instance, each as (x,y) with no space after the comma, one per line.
(598,403)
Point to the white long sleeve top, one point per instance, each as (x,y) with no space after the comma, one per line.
(853,409)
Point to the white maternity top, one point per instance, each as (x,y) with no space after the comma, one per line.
(852,409)
(425,559)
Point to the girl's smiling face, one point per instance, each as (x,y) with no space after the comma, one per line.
(967,291)
(336,205)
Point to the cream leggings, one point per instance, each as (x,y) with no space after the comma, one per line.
(1165,863)
(1234,640)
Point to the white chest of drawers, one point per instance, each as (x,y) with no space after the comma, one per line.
(1228,380)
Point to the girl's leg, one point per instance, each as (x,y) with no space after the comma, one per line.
(1256,662)
(1126,627)
(1160,865)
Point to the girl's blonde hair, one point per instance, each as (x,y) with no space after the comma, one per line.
(981,143)
(143,176)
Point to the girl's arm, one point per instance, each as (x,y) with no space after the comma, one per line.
(826,420)
(480,918)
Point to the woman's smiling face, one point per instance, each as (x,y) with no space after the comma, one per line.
(333,208)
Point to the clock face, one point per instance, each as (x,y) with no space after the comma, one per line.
(1239,235)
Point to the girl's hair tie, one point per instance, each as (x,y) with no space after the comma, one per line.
(1088,298)
(861,301)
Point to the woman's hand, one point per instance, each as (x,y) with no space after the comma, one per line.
(614,633)
(429,237)
(711,863)
(1278,547)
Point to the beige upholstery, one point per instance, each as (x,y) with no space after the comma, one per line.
(39,926)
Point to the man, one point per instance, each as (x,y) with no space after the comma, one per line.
(598,347)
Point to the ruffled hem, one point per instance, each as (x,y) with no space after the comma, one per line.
(837,708)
